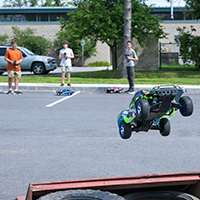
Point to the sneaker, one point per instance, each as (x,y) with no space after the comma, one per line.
(68,84)
(127,91)
(62,84)
(17,92)
(131,92)
(9,92)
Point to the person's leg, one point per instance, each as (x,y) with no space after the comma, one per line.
(10,82)
(132,78)
(128,76)
(63,77)
(16,83)
(10,79)
(68,77)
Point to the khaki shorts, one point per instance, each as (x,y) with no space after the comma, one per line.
(12,74)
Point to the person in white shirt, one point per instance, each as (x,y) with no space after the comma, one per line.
(66,54)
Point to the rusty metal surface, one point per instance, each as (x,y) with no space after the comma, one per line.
(21,198)
(115,183)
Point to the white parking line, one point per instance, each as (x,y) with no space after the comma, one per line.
(60,100)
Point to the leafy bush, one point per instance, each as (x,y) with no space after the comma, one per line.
(26,38)
(4,39)
(189,47)
(99,64)
(74,42)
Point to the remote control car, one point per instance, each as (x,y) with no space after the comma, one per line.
(64,92)
(152,109)
(114,90)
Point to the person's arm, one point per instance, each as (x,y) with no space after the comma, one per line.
(61,55)
(71,55)
(19,61)
(135,58)
(8,60)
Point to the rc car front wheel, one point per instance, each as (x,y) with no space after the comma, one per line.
(142,109)
(125,130)
(187,106)
(164,127)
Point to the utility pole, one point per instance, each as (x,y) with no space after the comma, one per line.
(172,12)
(82,44)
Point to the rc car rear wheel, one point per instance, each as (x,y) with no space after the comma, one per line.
(142,109)
(81,195)
(125,130)
(164,127)
(160,195)
(187,104)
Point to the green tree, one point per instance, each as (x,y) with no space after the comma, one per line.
(4,39)
(32,3)
(74,42)
(49,3)
(194,7)
(37,44)
(189,46)
(104,20)
(19,3)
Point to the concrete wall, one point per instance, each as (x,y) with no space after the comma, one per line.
(147,58)
(49,30)
(171,26)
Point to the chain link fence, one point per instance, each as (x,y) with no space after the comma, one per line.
(169,54)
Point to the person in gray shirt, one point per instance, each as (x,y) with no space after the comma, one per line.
(130,57)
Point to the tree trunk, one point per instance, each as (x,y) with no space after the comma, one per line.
(112,47)
(127,34)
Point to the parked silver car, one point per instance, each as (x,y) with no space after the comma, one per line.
(31,62)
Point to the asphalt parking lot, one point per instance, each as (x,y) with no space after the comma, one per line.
(78,138)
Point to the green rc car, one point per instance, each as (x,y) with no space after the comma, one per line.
(152,109)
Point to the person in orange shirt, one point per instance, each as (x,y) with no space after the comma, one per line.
(14,57)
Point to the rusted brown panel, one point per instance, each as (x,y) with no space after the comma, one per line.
(21,198)
(116,183)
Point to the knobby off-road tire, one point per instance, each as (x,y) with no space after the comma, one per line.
(187,104)
(142,109)
(164,127)
(125,130)
(81,195)
(160,195)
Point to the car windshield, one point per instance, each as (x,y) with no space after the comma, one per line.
(27,51)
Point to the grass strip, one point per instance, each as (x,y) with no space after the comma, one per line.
(168,75)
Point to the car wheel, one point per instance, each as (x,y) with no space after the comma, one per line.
(160,195)
(81,195)
(125,130)
(187,104)
(38,68)
(142,109)
(164,124)
(1,73)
